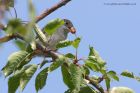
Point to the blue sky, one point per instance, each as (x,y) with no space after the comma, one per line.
(112,30)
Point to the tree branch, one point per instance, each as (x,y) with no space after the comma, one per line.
(97,86)
(52,9)
(10,37)
(38,18)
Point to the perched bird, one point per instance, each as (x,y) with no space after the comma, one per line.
(59,35)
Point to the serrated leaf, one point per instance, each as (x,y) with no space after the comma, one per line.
(77,78)
(113,75)
(67,78)
(40,81)
(14,81)
(63,44)
(95,56)
(59,61)
(69,55)
(53,25)
(13,60)
(76,42)
(24,61)
(40,35)
(92,66)
(127,74)
(98,62)
(27,75)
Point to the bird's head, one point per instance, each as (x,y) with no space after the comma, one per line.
(70,26)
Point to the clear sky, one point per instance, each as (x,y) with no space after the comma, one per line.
(114,31)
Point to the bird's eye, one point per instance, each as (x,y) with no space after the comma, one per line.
(67,23)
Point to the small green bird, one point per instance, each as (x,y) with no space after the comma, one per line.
(59,35)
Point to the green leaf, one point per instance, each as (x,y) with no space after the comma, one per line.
(40,81)
(25,60)
(76,42)
(14,26)
(13,60)
(92,66)
(91,52)
(40,35)
(43,63)
(113,75)
(27,75)
(21,44)
(59,61)
(30,35)
(63,44)
(53,25)
(97,61)
(76,73)
(95,56)
(69,55)
(31,10)
(86,70)
(67,78)
(14,81)
(87,89)
(107,81)
(127,74)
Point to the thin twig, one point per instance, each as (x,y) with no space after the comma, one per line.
(97,86)
(101,79)
(15,12)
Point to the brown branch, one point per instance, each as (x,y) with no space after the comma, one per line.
(101,79)
(52,9)
(10,37)
(38,18)
(96,85)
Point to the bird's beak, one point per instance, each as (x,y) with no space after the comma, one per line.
(72,30)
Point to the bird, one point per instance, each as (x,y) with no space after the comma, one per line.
(60,34)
